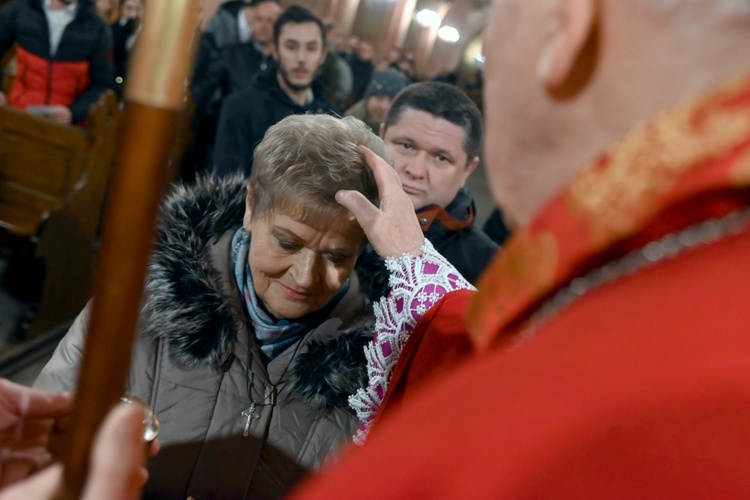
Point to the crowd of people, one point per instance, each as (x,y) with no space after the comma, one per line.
(323,281)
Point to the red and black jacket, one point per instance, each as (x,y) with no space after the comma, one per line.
(78,72)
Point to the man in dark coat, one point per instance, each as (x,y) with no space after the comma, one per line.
(434,133)
(278,92)
(232,66)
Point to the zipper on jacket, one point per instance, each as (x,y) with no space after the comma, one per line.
(49,82)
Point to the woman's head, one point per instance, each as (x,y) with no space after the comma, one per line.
(304,160)
(304,245)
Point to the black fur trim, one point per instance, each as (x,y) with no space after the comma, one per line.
(185,299)
(330,371)
(372,274)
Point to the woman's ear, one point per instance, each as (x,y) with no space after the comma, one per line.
(567,58)
(247,220)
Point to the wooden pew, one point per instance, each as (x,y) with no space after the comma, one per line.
(53,181)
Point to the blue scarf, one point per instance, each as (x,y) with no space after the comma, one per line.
(273,335)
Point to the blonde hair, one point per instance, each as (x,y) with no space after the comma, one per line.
(304,160)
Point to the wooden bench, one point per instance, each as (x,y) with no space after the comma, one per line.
(53,182)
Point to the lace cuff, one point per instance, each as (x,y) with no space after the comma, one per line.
(417,283)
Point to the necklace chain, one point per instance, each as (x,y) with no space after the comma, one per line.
(270,393)
(703,233)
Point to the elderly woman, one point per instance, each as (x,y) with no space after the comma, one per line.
(254,321)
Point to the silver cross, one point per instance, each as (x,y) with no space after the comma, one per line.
(250,415)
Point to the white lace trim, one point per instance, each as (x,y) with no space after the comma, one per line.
(417,283)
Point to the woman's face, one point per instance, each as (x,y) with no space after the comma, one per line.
(297,267)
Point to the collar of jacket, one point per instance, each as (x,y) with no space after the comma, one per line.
(686,165)
(185,302)
(268,81)
(458,215)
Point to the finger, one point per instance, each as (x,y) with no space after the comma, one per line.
(45,484)
(32,403)
(386,177)
(153,448)
(362,209)
(18,465)
(117,460)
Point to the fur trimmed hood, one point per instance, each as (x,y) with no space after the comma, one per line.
(185,303)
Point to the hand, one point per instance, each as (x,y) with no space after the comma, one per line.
(59,114)
(116,463)
(392,229)
(28,419)
(3,98)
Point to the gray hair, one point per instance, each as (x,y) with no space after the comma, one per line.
(304,160)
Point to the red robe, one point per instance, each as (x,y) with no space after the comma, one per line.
(639,388)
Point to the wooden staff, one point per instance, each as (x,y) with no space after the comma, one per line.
(154,99)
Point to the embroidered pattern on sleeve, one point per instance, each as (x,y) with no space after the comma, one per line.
(417,283)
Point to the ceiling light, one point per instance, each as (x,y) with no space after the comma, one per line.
(449,34)
(428,18)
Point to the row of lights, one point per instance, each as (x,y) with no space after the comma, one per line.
(431,19)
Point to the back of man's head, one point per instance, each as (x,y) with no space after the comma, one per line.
(441,101)
(297,15)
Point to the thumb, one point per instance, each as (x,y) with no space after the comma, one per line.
(118,454)
(362,209)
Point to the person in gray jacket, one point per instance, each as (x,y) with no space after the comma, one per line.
(255,319)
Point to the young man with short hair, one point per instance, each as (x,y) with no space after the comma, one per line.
(278,92)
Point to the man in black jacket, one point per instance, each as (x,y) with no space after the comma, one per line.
(278,92)
(232,65)
(434,133)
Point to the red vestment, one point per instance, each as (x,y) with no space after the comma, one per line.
(638,387)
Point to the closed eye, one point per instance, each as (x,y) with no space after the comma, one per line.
(287,245)
(337,258)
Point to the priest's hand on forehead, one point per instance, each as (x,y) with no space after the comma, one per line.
(392,229)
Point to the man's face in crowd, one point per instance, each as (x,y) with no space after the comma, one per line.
(261,19)
(131,9)
(377,106)
(300,52)
(428,154)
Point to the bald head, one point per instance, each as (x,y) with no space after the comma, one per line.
(566,79)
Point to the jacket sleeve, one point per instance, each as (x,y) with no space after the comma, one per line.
(61,371)
(417,284)
(8,32)
(233,136)
(101,75)
(214,77)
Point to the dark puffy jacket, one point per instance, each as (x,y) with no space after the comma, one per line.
(247,114)
(78,72)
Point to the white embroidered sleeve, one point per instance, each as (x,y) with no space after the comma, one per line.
(417,283)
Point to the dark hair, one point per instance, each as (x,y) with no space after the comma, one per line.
(253,3)
(298,15)
(441,101)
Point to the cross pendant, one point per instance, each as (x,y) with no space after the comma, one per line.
(249,414)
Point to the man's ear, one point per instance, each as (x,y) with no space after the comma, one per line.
(568,57)
(247,219)
(470,167)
